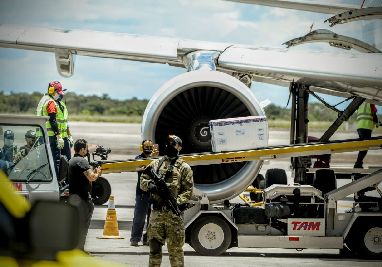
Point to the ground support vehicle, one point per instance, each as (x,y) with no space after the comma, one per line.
(34,175)
(291,216)
(25,236)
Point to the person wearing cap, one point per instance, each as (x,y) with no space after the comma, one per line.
(30,139)
(60,138)
(8,151)
(141,209)
(164,225)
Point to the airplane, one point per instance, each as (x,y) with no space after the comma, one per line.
(216,86)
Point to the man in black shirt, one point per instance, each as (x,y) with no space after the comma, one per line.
(81,175)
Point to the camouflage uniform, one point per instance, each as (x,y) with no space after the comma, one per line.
(164,225)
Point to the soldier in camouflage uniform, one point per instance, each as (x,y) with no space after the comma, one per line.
(164,225)
(30,138)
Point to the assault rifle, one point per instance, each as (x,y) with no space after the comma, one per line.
(164,192)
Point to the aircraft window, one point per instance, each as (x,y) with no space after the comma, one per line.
(23,153)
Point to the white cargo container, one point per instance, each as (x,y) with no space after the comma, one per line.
(240,133)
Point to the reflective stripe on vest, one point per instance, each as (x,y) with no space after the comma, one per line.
(365,117)
(61,118)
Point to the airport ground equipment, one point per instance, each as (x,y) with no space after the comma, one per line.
(292,216)
(34,176)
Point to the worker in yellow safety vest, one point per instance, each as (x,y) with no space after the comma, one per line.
(60,138)
(366,121)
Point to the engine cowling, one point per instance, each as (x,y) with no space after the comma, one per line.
(184,105)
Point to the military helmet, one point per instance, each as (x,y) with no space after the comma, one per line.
(8,134)
(173,140)
(30,134)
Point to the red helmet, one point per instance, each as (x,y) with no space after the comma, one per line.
(55,86)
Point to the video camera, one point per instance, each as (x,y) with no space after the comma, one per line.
(101,152)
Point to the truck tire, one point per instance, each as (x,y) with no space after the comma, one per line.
(101,191)
(371,243)
(365,239)
(210,236)
(275,176)
(325,180)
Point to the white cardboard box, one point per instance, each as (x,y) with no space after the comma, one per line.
(241,133)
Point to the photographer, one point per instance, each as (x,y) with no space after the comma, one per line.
(81,175)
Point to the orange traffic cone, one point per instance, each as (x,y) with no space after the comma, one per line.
(110,228)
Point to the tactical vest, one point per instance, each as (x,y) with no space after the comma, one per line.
(170,173)
(61,117)
(365,117)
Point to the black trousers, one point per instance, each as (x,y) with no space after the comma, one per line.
(85,208)
(141,211)
(364,134)
(56,153)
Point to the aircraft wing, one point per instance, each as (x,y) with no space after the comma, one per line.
(334,74)
(344,74)
(326,7)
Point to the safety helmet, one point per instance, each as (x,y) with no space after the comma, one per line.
(173,140)
(55,86)
(30,134)
(8,134)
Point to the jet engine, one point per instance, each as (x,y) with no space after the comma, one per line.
(184,105)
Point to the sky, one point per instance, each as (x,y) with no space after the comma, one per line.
(212,20)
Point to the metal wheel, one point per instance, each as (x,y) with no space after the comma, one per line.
(211,236)
(373,241)
(365,238)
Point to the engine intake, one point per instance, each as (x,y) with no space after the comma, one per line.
(184,105)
